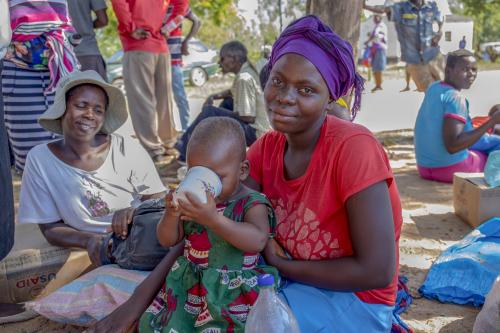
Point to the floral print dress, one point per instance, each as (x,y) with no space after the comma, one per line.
(213,285)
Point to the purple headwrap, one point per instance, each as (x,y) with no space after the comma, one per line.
(331,55)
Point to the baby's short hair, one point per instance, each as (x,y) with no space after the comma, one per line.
(219,133)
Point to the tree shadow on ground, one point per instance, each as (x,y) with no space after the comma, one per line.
(416,192)
(445,227)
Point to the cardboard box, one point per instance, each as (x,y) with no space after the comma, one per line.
(474,201)
(34,268)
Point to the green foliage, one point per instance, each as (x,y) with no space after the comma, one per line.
(269,13)
(486,15)
(220,24)
(107,37)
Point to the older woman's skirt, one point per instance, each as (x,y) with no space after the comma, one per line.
(24,101)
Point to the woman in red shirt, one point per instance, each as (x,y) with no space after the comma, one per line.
(330,182)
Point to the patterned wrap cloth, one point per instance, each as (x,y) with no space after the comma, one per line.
(39,38)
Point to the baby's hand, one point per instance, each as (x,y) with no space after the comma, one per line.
(193,209)
(172,208)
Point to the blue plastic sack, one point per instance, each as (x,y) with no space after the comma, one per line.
(492,169)
(465,272)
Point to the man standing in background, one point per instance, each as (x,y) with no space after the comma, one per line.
(414,21)
(87,51)
(178,48)
(6,196)
(146,70)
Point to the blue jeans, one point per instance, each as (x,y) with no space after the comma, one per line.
(6,196)
(180,95)
(207,112)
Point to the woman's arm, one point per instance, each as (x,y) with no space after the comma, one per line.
(60,234)
(377,9)
(373,263)
(126,314)
(456,139)
(220,95)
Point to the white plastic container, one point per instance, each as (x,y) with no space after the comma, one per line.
(269,313)
(197,181)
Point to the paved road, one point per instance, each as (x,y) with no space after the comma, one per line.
(390,109)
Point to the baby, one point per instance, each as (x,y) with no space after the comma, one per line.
(212,286)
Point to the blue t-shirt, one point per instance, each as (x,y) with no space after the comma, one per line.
(441,101)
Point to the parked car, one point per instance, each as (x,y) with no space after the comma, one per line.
(199,65)
(491,48)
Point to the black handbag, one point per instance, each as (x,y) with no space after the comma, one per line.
(141,249)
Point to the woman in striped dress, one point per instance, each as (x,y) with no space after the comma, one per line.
(38,56)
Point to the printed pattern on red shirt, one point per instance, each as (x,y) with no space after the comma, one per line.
(311,216)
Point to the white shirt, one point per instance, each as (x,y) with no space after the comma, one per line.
(5,32)
(52,190)
(379,35)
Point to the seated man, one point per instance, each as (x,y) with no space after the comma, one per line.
(445,140)
(243,102)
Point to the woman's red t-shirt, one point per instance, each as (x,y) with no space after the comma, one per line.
(311,214)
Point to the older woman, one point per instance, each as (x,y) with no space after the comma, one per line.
(88,182)
(336,201)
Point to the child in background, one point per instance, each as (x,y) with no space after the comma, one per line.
(212,286)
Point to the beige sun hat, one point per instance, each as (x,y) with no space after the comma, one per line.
(116,113)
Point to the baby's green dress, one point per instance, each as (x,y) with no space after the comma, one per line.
(211,287)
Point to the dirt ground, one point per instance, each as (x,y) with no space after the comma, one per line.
(429,227)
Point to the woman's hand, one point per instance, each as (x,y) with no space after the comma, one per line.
(121,219)
(273,253)
(94,244)
(192,209)
(495,114)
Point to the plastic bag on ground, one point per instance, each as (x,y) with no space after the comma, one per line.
(488,320)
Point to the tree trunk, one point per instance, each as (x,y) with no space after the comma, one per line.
(342,15)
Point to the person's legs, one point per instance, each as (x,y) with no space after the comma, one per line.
(24,101)
(378,81)
(407,79)
(379,62)
(6,195)
(164,101)
(320,310)
(475,162)
(180,95)
(421,75)
(436,67)
(227,103)
(95,63)
(139,76)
